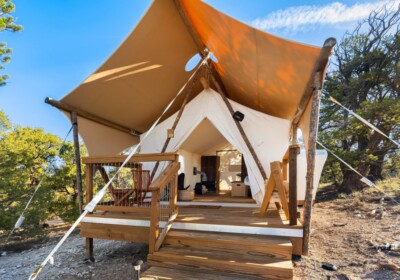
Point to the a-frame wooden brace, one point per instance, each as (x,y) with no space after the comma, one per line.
(275,181)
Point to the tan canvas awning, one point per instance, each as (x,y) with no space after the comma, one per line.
(133,86)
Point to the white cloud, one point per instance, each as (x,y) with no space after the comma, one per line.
(305,17)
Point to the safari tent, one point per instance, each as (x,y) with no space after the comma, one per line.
(249,90)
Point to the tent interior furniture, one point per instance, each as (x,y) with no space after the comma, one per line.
(274,83)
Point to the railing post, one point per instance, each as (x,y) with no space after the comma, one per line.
(154,219)
(294,150)
(173,194)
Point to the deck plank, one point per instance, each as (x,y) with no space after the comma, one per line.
(163,273)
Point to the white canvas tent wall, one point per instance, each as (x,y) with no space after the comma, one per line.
(269,135)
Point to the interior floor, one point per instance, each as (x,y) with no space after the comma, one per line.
(223,196)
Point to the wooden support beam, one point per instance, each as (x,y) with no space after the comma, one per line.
(240,128)
(312,144)
(89,195)
(91,117)
(74,121)
(294,150)
(320,67)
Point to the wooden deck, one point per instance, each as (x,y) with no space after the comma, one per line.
(214,236)
(210,213)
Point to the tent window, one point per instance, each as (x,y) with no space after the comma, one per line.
(182,162)
(192,62)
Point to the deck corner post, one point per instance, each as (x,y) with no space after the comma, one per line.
(294,150)
(89,195)
(154,222)
(312,143)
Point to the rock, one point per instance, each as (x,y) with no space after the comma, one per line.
(330,267)
(389,266)
(342,277)
(3,253)
(339,224)
(376,211)
(395,246)
(381,215)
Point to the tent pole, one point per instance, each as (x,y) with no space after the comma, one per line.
(177,119)
(239,126)
(74,121)
(294,150)
(320,67)
(312,143)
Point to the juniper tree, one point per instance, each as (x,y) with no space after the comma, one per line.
(364,77)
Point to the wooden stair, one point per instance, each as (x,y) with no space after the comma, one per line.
(230,256)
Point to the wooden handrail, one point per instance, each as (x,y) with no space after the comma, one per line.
(165,176)
(167,227)
(134,158)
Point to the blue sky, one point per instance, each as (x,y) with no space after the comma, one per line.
(63,42)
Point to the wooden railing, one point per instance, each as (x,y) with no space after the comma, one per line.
(163,205)
(129,192)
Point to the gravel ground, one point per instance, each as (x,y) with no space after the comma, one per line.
(113,260)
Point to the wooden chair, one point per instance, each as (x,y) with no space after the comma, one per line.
(121,197)
(141,183)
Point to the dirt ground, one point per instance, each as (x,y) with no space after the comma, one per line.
(345,231)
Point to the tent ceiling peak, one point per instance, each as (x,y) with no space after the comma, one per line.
(203,49)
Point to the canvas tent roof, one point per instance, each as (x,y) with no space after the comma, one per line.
(261,71)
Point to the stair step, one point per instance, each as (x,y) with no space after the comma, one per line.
(154,273)
(252,266)
(240,244)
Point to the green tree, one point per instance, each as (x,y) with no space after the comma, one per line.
(25,154)
(365,79)
(7,23)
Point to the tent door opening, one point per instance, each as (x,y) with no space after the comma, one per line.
(209,168)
